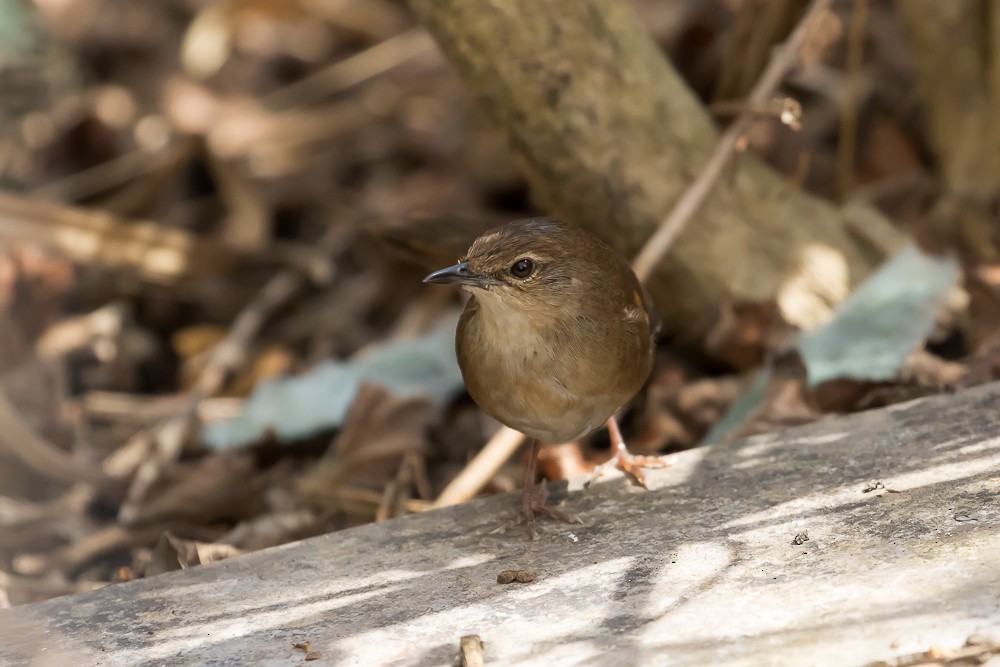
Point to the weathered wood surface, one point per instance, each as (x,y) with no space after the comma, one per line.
(702,570)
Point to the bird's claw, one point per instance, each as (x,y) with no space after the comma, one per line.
(630,464)
(532,503)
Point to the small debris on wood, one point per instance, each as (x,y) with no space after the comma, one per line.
(975,652)
(313,655)
(520,576)
(801,538)
(873,485)
(305,646)
(473,651)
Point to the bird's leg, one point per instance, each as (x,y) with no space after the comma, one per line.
(528,498)
(621,458)
(533,497)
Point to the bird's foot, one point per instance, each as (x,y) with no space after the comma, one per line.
(533,503)
(628,463)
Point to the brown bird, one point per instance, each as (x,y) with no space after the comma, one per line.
(557,337)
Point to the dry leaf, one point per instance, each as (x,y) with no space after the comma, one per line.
(176,553)
(787,400)
(278,528)
(746,332)
(220,486)
(564,461)
(380,430)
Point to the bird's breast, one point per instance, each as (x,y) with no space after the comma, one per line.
(545,379)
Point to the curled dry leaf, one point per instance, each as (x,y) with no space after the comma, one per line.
(746,332)
(176,553)
(219,486)
(380,430)
(563,461)
(278,528)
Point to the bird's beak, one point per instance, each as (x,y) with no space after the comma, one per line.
(458,275)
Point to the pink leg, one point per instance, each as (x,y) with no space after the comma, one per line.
(621,458)
(533,497)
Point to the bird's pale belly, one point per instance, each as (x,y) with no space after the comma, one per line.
(519,390)
(533,414)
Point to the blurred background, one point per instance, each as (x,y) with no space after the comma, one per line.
(215,216)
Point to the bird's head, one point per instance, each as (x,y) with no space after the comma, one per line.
(530,263)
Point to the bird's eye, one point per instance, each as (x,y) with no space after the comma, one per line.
(522,268)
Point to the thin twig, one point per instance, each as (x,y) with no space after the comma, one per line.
(783,60)
(786,110)
(481,469)
(398,491)
(127,408)
(47,587)
(359,500)
(360,67)
(18,438)
(113,173)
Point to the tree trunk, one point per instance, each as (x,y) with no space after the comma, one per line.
(956,50)
(609,137)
